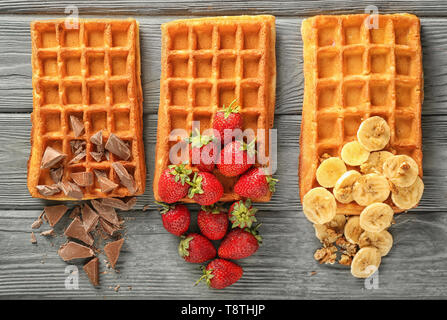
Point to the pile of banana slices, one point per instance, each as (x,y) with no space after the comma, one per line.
(379,174)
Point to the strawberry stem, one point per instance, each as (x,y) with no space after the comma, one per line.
(164,207)
(229,110)
(271,182)
(214,208)
(243,214)
(180,172)
(207,276)
(196,186)
(197,140)
(184,246)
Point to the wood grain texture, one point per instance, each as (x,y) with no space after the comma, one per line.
(415,268)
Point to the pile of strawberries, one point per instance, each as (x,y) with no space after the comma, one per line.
(179,181)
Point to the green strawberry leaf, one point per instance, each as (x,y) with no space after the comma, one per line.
(271,182)
(183,247)
(197,140)
(243,214)
(230,109)
(180,172)
(196,186)
(207,276)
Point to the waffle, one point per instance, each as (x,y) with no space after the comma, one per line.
(92,73)
(352,73)
(206,63)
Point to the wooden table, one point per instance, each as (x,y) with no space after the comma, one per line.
(150,266)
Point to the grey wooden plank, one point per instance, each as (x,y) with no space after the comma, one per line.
(14,137)
(205,7)
(15,69)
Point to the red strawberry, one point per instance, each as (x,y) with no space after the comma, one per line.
(205,188)
(195,248)
(227,119)
(236,158)
(242,214)
(176,218)
(240,243)
(221,273)
(203,151)
(173,184)
(255,184)
(213,222)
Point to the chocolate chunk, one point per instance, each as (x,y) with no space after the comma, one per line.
(36,224)
(77,125)
(105,212)
(71,190)
(33,238)
(125,178)
(77,146)
(91,268)
(51,157)
(47,191)
(119,204)
(96,155)
(107,155)
(78,157)
(77,230)
(117,146)
(97,138)
(105,183)
(56,174)
(72,250)
(89,217)
(82,179)
(112,251)
(75,212)
(54,213)
(47,233)
(107,227)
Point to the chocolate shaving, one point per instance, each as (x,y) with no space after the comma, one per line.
(119,204)
(54,213)
(112,251)
(106,212)
(33,238)
(124,176)
(105,183)
(47,191)
(82,179)
(47,233)
(71,190)
(51,157)
(107,227)
(75,212)
(72,250)
(78,157)
(91,268)
(96,155)
(89,217)
(97,138)
(117,146)
(77,230)
(77,126)
(56,174)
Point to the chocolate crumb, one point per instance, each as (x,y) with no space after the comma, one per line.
(91,268)
(33,238)
(112,251)
(117,146)
(51,157)
(72,250)
(54,213)
(126,179)
(82,179)
(47,233)
(77,126)
(116,288)
(36,224)
(146,207)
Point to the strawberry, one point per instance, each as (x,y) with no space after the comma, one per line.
(195,248)
(203,151)
(242,214)
(213,222)
(173,184)
(236,158)
(221,273)
(176,218)
(240,243)
(255,184)
(205,188)
(227,120)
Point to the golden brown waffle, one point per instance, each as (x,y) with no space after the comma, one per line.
(351,73)
(205,64)
(93,73)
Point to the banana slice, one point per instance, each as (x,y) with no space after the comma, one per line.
(374,164)
(402,170)
(344,186)
(365,262)
(319,205)
(382,240)
(329,171)
(408,197)
(353,230)
(337,224)
(374,133)
(354,154)
(371,188)
(376,217)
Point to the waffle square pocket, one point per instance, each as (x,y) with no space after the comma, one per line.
(86,137)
